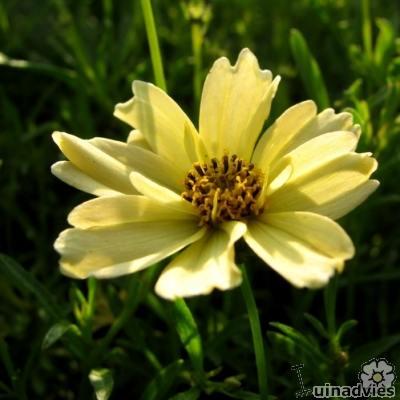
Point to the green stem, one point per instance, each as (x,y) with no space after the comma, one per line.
(197,47)
(89,310)
(189,335)
(366,28)
(258,342)
(330,306)
(135,293)
(153,44)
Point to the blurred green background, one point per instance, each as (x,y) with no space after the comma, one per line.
(63,66)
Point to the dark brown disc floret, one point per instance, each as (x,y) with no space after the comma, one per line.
(224,190)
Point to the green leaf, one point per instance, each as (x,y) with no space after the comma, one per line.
(158,388)
(6,390)
(345,327)
(301,341)
(245,395)
(373,349)
(191,394)
(309,70)
(189,335)
(330,292)
(55,333)
(65,75)
(385,43)
(6,359)
(25,281)
(285,347)
(317,325)
(102,382)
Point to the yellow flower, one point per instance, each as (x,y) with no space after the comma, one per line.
(171,188)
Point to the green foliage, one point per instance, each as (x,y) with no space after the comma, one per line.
(102,382)
(308,69)
(189,335)
(64,64)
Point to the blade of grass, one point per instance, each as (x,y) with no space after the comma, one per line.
(158,388)
(24,280)
(152,38)
(62,74)
(366,28)
(102,382)
(258,341)
(189,336)
(309,70)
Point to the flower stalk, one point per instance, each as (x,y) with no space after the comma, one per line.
(258,342)
(152,38)
(185,323)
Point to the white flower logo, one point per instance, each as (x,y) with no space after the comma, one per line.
(378,373)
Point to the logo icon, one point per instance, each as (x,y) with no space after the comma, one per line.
(377,372)
(376,379)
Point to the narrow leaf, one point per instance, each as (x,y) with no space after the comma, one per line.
(6,358)
(189,334)
(56,332)
(191,394)
(309,70)
(65,75)
(158,388)
(345,327)
(102,382)
(385,43)
(373,349)
(317,325)
(25,281)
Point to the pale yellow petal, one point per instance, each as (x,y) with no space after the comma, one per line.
(279,176)
(137,138)
(160,120)
(346,202)
(296,126)
(295,260)
(122,209)
(122,249)
(279,135)
(204,265)
(161,194)
(143,161)
(319,151)
(95,163)
(68,173)
(320,188)
(326,121)
(320,232)
(235,102)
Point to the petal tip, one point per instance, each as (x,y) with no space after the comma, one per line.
(57,137)
(69,272)
(59,244)
(375,183)
(246,52)
(55,168)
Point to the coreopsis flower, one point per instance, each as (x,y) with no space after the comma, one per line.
(172,189)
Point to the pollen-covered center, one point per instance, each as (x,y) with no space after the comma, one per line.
(224,190)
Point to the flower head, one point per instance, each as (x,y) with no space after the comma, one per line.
(171,188)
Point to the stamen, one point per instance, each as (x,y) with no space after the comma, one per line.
(225,160)
(198,168)
(224,190)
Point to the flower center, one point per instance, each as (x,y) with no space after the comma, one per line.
(377,377)
(224,190)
